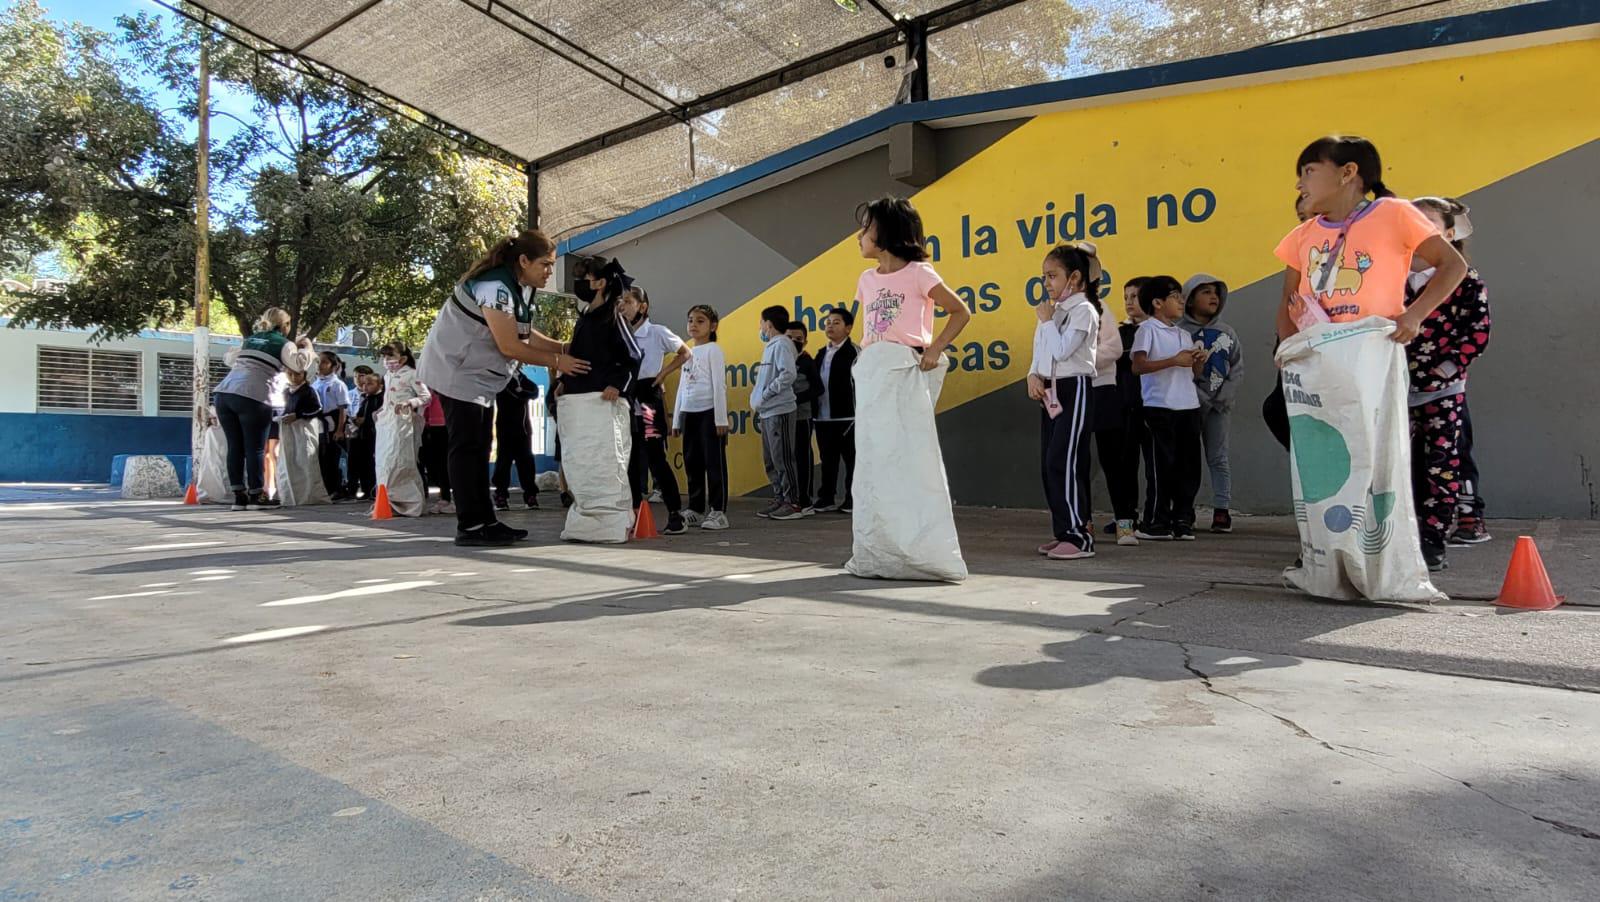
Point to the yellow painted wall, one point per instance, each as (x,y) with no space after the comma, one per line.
(1444,127)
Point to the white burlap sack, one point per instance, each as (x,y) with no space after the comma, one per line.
(399,437)
(211,471)
(1345,385)
(904,524)
(596,438)
(299,475)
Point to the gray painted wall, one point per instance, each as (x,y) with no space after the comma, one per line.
(1532,392)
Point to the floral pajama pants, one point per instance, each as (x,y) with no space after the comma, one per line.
(1436,479)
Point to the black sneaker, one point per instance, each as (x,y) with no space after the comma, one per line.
(1111,528)
(1469,532)
(502,502)
(498,528)
(1221,521)
(1434,556)
(531,501)
(1183,534)
(566,499)
(675,525)
(263,503)
(1154,533)
(241,502)
(483,537)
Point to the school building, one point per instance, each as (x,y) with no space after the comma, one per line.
(1179,169)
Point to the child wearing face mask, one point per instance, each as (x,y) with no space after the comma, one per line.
(1060,380)
(1450,339)
(400,426)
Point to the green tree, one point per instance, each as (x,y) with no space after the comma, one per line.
(341,214)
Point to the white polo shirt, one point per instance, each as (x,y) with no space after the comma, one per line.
(655,343)
(1173,387)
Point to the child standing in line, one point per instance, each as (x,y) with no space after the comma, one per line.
(364,437)
(807,389)
(335,397)
(1110,424)
(1167,364)
(400,426)
(1217,384)
(1060,379)
(1451,338)
(700,415)
(904,526)
(1130,388)
(772,399)
(433,460)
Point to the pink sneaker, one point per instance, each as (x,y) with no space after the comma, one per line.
(1049,546)
(1067,551)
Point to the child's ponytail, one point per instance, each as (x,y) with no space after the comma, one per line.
(1379,189)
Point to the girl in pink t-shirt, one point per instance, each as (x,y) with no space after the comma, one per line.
(1352,257)
(904,527)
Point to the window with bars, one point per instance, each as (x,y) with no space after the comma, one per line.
(175,381)
(88,379)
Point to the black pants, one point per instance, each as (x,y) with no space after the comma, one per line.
(513,437)
(1175,439)
(329,456)
(1275,411)
(245,423)
(1064,462)
(805,464)
(363,463)
(649,455)
(434,460)
(705,458)
(1469,504)
(1147,452)
(471,431)
(836,441)
(1119,457)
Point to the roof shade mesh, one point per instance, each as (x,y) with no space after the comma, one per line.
(495,68)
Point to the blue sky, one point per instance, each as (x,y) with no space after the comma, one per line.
(102,14)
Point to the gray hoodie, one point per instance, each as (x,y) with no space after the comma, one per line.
(1219,382)
(773,392)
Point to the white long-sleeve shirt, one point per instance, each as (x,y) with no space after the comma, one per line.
(1062,346)
(401,387)
(1107,351)
(702,385)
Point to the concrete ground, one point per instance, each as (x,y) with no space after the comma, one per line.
(198,704)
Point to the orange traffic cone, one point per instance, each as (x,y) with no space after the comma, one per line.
(380,508)
(192,496)
(1527,585)
(644,525)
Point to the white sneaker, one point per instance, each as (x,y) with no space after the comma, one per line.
(655,497)
(808,511)
(692,519)
(444,507)
(715,520)
(827,508)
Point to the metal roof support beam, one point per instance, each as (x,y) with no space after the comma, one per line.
(579,57)
(286,58)
(951,16)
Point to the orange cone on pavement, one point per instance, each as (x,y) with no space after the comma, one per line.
(192,496)
(380,508)
(1527,585)
(644,525)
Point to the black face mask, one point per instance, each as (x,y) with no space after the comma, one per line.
(584,291)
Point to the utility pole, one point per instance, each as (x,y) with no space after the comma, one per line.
(202,269)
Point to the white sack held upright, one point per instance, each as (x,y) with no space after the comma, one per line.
(903,522)
(299,473)
(211,475)
(399,426)
(1345,385)
(596,439)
